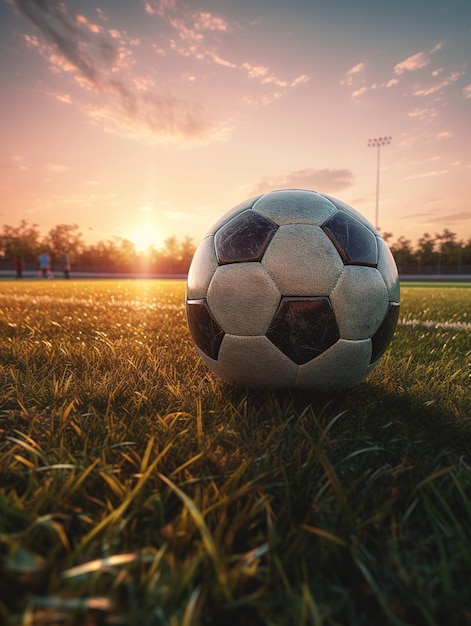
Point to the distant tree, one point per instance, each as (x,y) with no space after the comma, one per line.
(64,238)
(387,236)
(425,250)
(171,255)
(450,250)
(403,253)
(95,257)
(444,239)
(125,254)
(171,248)
(22,239)
(187,250)
(466,253)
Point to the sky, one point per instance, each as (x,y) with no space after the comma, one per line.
(150,118)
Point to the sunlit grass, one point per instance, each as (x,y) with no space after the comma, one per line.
(137,489)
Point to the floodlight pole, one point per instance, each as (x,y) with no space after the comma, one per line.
(377,142)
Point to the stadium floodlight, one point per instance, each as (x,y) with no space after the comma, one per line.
(378,143)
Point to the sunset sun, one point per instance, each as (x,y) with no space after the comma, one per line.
(144,237)
(145,234)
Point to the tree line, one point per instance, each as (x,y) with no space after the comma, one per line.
(115,255)
(442,253)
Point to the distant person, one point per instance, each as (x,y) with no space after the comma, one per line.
(18,266)
(66,264)
(45,265)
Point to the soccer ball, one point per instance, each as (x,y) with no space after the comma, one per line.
(292,288)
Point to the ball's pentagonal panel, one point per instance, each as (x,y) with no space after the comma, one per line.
(360,301)
(295,206)
(356,243)
(243,298)
(206,332)
(303,261)
(382,337)
(239,208)
(340,367)
(388,270)
(202,268)
(346,208)
(254,362)
(244,238)
(303,328)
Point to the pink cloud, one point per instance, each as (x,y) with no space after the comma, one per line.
(99,62)
(326,180)
(453,77)
(356,68)
(207,21)
(350,74)
(414,62)
(359,92)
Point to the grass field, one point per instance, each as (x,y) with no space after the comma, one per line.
(137,489)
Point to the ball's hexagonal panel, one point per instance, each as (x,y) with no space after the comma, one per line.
(243,298)
(206,332)
(355,243)
(360,301)
(302,261)
(244,238)
(382,337)
(388,270)
(346,208)
(202,268)
(295,206)
(254,362)
(342,366)
(303,328)
(228,215)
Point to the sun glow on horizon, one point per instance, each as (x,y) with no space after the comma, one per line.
(146,235)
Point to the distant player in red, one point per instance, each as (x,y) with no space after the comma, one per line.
(18,266)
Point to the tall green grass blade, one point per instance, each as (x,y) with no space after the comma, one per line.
(205,533)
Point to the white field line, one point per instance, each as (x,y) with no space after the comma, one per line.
(415,323)
(166,306)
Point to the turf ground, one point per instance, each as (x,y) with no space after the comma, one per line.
(137,489)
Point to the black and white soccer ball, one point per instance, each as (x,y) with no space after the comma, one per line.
(292,288)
